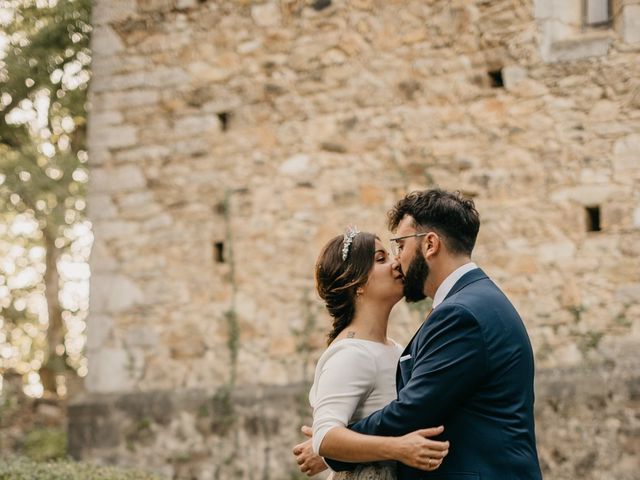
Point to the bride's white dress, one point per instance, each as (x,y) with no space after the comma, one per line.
(353,379)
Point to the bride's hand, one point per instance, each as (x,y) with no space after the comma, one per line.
(417,450)
(309,463)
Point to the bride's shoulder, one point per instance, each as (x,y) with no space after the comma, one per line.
(345,350)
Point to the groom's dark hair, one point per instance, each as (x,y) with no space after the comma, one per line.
(449,214)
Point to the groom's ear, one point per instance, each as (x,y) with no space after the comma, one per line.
(431,246)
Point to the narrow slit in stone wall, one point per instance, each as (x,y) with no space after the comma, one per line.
(224,120)
(496,79)
(218,252)
(321,4)
(593,219)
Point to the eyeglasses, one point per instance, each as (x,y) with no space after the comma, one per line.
(397,248)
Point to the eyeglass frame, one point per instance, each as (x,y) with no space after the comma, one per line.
(394,241)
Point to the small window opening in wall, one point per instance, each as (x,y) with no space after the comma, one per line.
(593,219)
(321,4)
(218,252)
(496,79)
(597,13)
(224,120)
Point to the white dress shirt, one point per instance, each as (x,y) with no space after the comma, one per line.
(446,286)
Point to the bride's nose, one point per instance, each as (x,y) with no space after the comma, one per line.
(395,265)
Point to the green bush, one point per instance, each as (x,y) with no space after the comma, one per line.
(12,468)
(45,444)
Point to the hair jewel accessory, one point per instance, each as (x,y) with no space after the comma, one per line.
(349,235)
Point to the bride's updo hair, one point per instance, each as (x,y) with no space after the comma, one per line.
(338,280)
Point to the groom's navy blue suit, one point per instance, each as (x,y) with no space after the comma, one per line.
(470,368)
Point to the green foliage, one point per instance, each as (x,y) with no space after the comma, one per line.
(45,444)
(576,311)
(590,341)
(24,469)
(44,75)
(224,415)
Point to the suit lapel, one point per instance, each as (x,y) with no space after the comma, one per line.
(407,351)
(467,279)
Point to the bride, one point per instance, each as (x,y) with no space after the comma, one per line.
(355,376)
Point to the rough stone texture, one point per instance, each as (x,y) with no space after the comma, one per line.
(229,140)
(201,435)
(565,36)
(197,434)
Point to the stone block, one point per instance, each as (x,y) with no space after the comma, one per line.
(165,77)
(556,251)
(629,294)
(626,153)
(186,4)
(108,230)
(99,330)
(202,72)
(98,156)
(106,41)
(125,100)
(110,370)
(125,81)
(151,6)
(512,75)
(113,11)
(100,207)
(568,11)
(197,125)
(113,136)
(101,258)
(141,336)
(630,23)
(543,9)
(604,110)
(586,195)
(117,179)
(299,167)
(141,154)
(267,14)
(99,120)
(584,46)
(113,293)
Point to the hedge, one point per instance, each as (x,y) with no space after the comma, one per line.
(20,468)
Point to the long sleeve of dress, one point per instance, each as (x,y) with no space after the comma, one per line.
(345,375)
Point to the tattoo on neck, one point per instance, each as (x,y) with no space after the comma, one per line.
(351,334)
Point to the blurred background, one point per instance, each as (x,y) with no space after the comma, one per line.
(170,169)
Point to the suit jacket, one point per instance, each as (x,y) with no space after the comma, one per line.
(470,368)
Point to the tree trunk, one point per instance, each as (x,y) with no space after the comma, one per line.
(54,361)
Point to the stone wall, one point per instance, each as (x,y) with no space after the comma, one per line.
(230,139)
(587,428)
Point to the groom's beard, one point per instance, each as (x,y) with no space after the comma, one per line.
(415,278)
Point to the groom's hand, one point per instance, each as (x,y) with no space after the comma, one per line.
(309,463)
(417,450)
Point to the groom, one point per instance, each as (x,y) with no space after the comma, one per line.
(470,365)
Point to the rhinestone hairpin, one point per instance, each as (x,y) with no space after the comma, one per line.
(349,235)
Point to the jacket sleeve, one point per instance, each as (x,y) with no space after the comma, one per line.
(450,361)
